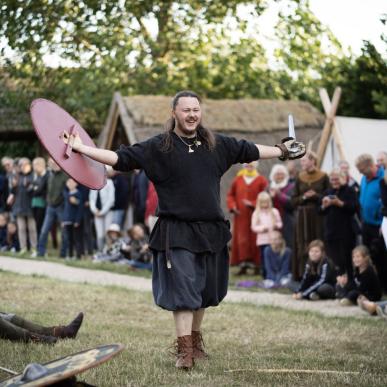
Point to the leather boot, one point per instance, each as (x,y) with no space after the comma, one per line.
(69,331)
(198,346)
(36,338)
(184,352)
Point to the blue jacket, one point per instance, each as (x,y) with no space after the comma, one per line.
(370,199)
(72,213)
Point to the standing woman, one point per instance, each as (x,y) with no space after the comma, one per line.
(338,206)
(308,190)
(241,199)
(281,190)
(101,203)
(39,192)
(22,207)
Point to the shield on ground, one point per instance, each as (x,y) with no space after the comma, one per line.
(64,368)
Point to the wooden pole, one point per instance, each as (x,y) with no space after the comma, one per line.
(8,371)
(292,371)
(330,111)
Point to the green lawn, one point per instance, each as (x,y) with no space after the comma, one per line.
(238,337)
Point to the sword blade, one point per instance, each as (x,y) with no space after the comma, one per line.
(292,132)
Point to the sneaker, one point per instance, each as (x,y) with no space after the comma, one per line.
(381,312)
(268,283)
(346,302)
(22,251)
(314,296)
(34,254)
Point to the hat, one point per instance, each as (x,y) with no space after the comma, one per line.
(114,228)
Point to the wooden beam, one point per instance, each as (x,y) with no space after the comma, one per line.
(338,140)
(127,121)
(103,137)
(330,112)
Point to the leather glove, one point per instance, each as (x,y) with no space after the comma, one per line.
(291,149)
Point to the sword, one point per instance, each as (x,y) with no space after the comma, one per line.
(292,132)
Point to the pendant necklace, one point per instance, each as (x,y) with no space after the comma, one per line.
(196,143)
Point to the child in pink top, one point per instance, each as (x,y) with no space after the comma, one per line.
(264,220)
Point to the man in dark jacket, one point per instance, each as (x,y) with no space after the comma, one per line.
(54,211)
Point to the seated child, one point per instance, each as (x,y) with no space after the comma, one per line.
(137,250)
(366,285)
(378,307)
(277,261)
(318,279)
(111,252)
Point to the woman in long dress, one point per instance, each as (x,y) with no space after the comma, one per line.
(309,187)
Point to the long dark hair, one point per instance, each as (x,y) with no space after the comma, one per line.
(205,135)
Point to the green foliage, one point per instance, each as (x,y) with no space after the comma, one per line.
(159,47)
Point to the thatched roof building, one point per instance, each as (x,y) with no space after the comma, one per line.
(136,118)
(15,125)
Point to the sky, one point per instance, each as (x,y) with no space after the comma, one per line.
(353,21)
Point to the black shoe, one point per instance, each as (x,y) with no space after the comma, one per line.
(242,271)
(69,331)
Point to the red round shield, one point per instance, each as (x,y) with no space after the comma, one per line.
(50,121)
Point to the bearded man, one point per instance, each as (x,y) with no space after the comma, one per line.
(189,240)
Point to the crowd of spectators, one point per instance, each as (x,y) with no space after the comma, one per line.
(39,201)
(318,233)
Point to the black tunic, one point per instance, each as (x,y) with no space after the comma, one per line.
(367,283)
(188,188)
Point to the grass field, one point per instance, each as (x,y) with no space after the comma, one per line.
(122,269)
(240,338)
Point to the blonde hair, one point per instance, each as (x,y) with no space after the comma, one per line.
(364,252)
(364,158)
(264,196)
(312,156)
(40,161)
(283,242)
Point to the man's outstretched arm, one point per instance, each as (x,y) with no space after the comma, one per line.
(104,156)
(268,152)
(288,149)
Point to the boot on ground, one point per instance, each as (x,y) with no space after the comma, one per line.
(184,352)
(69,331)
(41,339)
(198,351)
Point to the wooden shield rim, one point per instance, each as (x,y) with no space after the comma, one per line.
(68,373)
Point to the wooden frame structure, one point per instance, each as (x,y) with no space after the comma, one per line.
(117,110)
(330,126)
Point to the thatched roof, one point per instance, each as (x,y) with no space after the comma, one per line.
(14,123)
(244,115)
